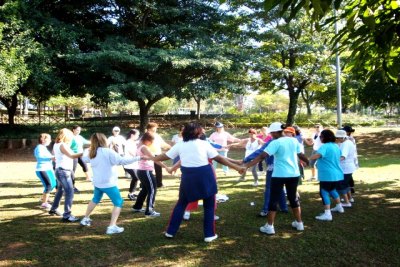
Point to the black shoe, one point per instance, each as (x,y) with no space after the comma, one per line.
(55,212)
(71,218)
(76,191)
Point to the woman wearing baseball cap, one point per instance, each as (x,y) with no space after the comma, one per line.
(286,151)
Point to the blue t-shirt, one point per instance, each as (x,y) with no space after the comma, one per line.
(328,164)
(284,150)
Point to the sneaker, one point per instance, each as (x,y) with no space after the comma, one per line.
(211,238)
(114,230)
(255,183)
(352,200)
(267,229)
(132,197)
(138,210)
(76,191)
(298,225)
(45,206)
(241,179)
(324,217)
(263,214)
(338,208)
(186,216)
(216,218)
(55,212)
(153,214)
(168,235)
(86,221)
(347,205)
(71,218)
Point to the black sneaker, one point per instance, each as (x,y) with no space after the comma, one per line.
(55,212)
(76,191)
(71,218)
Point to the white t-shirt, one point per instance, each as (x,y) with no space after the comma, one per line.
(251,147)
(158,143)
(176,139)
(130,151)
(62,160)
(194,153)
(348,151)
(118,142)
(104,166)
(317,141)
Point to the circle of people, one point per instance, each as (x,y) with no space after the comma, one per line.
(280,147)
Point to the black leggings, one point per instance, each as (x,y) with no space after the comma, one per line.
(134,181)
(291,191)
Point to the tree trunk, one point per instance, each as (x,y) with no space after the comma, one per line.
(143,115)
(198,102)
(293,99)
(11,105)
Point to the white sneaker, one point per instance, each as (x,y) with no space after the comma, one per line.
(211,238)
(186,216)
(45,205)
(114,230)
(86,221)
(338,208)
(347,205)
(168,235)
(267,229)
(153,214)
(255,183)
(324,217)
(216,218)
(263,214)
(352,200)
(298,225)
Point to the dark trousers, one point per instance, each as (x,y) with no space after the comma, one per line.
(134,181)
(179,210)
(148,192)
(291,190)
(158,171)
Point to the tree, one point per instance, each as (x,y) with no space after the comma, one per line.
(371,30)
(292,59)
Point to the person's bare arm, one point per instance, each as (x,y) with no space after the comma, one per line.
(303,158)
(224,161)
(256,160)
(148,153)
(68,152)
(315,156)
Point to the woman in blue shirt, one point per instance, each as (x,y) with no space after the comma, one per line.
(44,168)
(329,173)
(286,151)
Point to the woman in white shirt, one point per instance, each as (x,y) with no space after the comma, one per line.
(64,168)
(103,161)
(131,150)
(198,178)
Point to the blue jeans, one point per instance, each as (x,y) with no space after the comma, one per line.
(64,184)
(267,195)
(215,164)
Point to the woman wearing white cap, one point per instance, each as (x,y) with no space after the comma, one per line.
(348,165)
(286,151)
(221,137)
(116,141)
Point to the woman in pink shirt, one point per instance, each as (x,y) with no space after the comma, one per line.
(146,177)
(222,138)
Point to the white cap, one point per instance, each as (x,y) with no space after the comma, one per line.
(341,134)
(275,127)
(116,129)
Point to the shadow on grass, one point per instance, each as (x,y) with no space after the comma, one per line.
(354,238)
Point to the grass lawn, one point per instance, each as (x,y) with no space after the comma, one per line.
(366,235)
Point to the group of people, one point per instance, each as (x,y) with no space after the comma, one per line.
(281,147)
